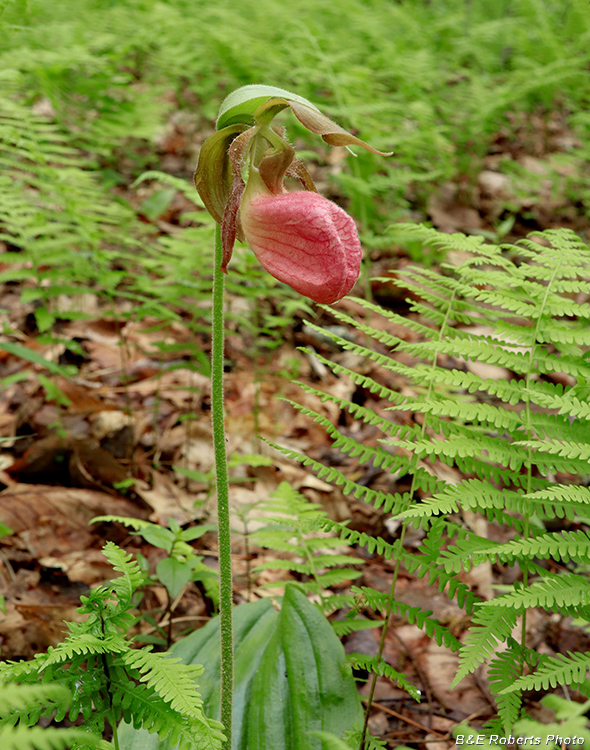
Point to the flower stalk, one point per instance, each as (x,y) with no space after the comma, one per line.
(222,484)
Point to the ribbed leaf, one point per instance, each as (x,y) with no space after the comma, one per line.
(290,677)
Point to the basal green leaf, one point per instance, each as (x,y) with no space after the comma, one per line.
(290,677)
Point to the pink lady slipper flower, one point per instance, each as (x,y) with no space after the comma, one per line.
(301,238)
(304,240)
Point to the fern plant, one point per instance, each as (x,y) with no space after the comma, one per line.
(519,444)
(26,699)
(289,528)
(568,730)
(51,204)
(109,680)
(177,569)
(67,237)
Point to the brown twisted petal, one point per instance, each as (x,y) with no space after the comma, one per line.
(328,129)
(273,166)
(314,121)
(298,171)
(230,225)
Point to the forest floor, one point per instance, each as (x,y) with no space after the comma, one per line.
(136,412)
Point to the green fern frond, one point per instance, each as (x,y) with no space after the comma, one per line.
(338,601)
(354,737)
(350,536)
(508,391)
(22,671)
(17,699)
(377,455)
(348,626)
(304,568)
(514,305)
(24,704)
(561,500)
(173,681)
(361,380)
(81,645)
(570,721)
(37,738)
(384,337)
(564,545)
(496,450)
(509,306)
(143,709)
(51,200)
(370,597)
(132,577)
(415,615)
(489,629)
(331,474)
(294,526)
(561,448)
(567,593)
(180,184)
(97,663)
(504,669)
(478,413)
(560,335)
(556,501)
(380,667)
(411,324)
(474,495)
(337,576)
(554,671)
(318,585)
(330,741)
(548,426)
(471,550)
(368,416)
(443,241)
(134,523)
(420,566)
(472,349)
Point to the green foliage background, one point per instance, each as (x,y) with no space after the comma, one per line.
(434,81)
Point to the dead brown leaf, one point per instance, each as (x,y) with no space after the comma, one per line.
(168,500)
(53,521)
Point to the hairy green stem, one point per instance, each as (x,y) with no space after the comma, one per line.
(225,570)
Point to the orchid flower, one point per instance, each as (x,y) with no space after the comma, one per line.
(300,237)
